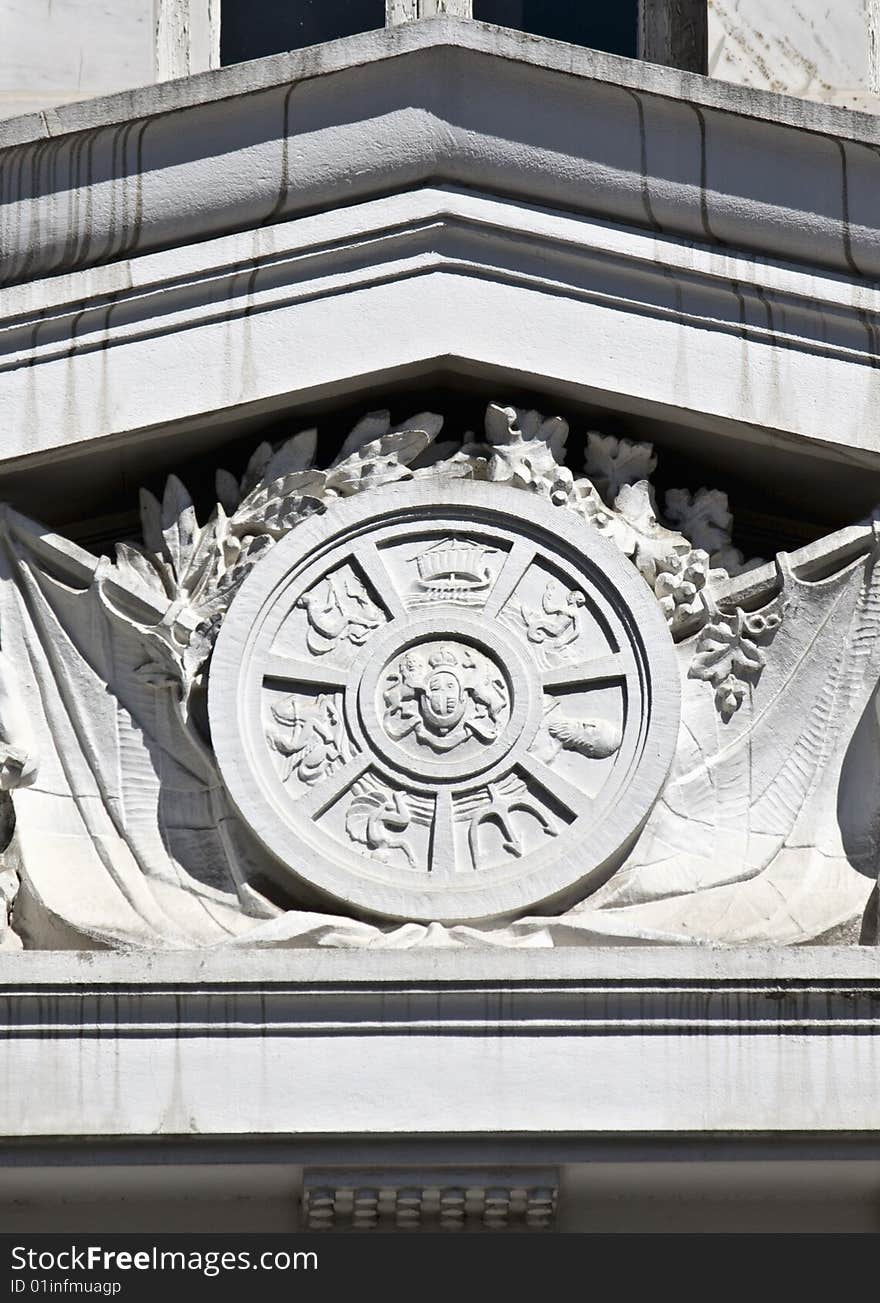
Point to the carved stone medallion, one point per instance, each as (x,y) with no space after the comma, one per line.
(444,702)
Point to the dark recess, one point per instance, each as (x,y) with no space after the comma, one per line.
(252,29)
(610,25)
(769,514)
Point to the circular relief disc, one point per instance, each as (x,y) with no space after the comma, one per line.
(444,701)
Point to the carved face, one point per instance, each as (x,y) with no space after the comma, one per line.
(443,696)
(443,701)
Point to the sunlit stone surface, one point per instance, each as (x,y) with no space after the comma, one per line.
(438,646)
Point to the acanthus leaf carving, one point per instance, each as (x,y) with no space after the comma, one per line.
(613,464)
(202,567)
(705,519)
(523,448)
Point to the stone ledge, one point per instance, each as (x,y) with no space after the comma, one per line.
(604,1042)
(372,47)
(553,124)
(624,965)
(323,306)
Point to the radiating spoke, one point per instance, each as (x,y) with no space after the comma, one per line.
(553,783)
(516,563)
(443,837)
(291,670)
(612,666)
(316,801)
(371,562)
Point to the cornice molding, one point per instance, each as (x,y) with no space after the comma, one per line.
(772,967)
(439,101)
(602,1042)
(291,305)
(443,31)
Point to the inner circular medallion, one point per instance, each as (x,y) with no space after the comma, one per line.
(442,700)
(443,697)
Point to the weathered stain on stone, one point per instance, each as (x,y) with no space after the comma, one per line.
(822,52)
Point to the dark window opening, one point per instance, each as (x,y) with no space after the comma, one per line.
(611,25)
(251,29)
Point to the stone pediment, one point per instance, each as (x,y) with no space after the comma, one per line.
(438,693)
(483,211)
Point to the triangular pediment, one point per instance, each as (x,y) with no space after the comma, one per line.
(198,261)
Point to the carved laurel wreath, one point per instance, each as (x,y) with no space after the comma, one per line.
(199,568)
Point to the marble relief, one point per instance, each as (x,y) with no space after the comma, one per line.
(463,697)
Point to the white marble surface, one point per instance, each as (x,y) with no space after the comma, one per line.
(750,306)
(60,51)
(815,48)
(614,1041)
